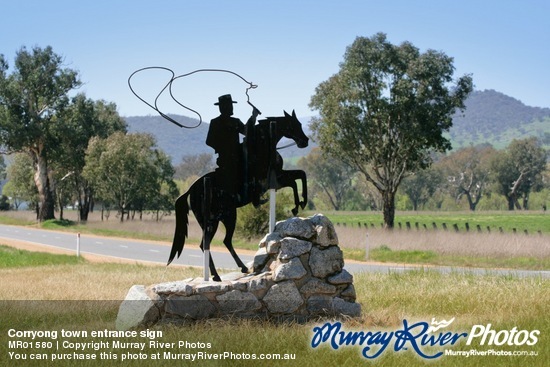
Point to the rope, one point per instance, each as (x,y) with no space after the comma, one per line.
(286,146)
(169,86)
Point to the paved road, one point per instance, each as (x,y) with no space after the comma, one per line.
(158,253)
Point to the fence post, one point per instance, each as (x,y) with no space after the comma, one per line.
(367,246)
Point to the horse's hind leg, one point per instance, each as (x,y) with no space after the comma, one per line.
(209,235)
(230,221)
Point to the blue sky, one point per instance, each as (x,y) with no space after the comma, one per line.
(285,47)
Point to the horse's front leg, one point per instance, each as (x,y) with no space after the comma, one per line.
(301,175)
(303,178)
(229,221)
(288,179)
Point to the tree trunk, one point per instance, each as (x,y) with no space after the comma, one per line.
(526,201)
(510,203)
(389,208)
(83,211)
(45,194)
(84,203)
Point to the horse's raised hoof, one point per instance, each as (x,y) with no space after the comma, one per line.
(302,204)
(295,211)
(216,278)
(244,270)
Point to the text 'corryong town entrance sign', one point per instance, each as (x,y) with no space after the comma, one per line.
(246,170)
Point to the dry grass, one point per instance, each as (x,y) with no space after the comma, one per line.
(386,300)
(448,243)
(84,282)
(440,242)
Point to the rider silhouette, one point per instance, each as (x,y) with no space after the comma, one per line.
(223,136)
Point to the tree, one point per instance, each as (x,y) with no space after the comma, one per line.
(467,172)
(127,171)
(332,177)
(20,186)
(518,171)
(78,123)
(386,110)
(421,186)
(194,165)
(30,99)
(2,168)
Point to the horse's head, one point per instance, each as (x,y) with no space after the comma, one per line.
(293,130)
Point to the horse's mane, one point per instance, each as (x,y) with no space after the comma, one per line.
(264,123)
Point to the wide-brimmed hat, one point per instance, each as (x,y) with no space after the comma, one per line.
(226,98)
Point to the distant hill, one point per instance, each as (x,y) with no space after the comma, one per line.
(490,117)
(179,142)
(495,118)
(172,139)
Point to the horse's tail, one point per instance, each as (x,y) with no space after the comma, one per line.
(180,234)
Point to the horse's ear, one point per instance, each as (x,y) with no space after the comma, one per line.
(293,113)
(286,114)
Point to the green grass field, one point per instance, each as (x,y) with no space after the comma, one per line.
(387,255)
(420,246)
(386,299)
(13,258)
(521,221)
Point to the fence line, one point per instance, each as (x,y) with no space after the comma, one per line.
(418,227)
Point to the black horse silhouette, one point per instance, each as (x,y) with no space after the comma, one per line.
(261,145)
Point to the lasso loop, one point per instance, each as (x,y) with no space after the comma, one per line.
(169,86)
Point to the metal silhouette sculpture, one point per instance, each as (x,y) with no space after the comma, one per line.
(246,171)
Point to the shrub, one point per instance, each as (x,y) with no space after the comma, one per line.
(254,222)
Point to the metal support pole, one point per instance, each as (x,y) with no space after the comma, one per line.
(272,205)
(272,178)
(206,241)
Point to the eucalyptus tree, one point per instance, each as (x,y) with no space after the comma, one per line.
(518,170)
(332,178)
(129,172)
(422,185)
(386,110)
(83,119)
(20,186)
(31,97)
(467,172)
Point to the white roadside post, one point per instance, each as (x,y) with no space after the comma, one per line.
(78,244)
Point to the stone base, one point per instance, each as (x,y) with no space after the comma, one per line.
(297,274)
